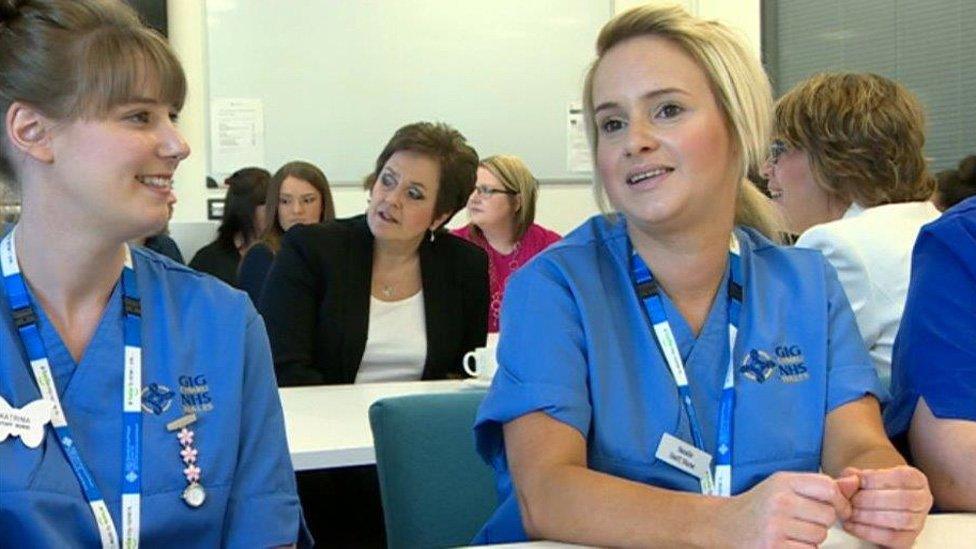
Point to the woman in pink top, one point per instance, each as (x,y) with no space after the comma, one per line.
(501,211)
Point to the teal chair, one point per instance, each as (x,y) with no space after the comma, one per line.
(436,491)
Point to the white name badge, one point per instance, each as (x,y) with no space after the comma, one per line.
(27,422)
(681,455)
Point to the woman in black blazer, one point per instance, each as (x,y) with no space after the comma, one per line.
(330,281)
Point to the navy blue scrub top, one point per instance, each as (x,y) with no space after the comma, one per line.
(575,345)
(935,351)
(205,351)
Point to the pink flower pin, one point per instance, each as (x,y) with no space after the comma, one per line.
(192,473)
(186,436)
(189,455)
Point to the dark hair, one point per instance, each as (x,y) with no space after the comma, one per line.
(76,59)
(246,190)
(957,185)
(307,172)
(458,162)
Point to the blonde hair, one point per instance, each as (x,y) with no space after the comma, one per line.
(737,80)
(514,175)
(863,134)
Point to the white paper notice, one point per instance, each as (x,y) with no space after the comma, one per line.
(236,134)
(577,149)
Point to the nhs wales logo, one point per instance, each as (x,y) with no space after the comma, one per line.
(757,366)
(786,361)
(791,364)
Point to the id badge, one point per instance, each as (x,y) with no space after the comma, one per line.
(27,422)
(684,457)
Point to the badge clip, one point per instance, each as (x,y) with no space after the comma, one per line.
(180,423)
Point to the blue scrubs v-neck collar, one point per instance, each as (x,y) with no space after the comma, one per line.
(100,357)
(705,356)
(714,330)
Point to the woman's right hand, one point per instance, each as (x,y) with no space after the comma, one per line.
(787,510)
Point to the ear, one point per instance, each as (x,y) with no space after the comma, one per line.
(518,202)
(29,131)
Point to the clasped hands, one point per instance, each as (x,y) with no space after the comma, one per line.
(883,506)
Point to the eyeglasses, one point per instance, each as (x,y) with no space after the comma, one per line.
(485,190)
(777,149)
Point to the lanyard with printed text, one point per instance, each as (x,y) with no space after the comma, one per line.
(649,293)
(25,320)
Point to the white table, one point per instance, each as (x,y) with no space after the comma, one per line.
(328,425)
(952,531)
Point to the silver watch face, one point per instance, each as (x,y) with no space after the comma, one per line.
(194,495)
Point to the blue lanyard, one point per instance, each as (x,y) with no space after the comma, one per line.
(25,320)
(719,484)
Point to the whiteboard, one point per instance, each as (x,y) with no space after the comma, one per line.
(338,77)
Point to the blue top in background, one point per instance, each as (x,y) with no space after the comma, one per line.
(935,351)
(254,270)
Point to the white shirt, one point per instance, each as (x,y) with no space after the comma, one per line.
(872,251)
(396,343)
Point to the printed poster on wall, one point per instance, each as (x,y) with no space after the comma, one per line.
(236,134)
(577,149)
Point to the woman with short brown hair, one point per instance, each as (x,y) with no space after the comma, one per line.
(848,171)
(388,295)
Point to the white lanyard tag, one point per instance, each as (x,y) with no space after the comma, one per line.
(27,422)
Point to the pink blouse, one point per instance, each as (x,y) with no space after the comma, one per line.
(501,266)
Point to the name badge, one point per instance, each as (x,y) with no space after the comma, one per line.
(27,422)
(681,455)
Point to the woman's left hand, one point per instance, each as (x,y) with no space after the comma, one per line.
(889,505)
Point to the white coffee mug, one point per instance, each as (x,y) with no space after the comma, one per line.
(480,363)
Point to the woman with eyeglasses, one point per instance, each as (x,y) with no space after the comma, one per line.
(502,212)
(848,171)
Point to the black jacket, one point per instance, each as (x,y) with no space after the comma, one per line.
(218,260)
(316,302)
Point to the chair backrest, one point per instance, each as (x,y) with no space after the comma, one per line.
(436,491)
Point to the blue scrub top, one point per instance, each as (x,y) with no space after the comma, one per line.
(575,345)
(935,351)
(205,350)
(255,266)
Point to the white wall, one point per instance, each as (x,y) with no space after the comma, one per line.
(743,15)
(561,206)
(187,34)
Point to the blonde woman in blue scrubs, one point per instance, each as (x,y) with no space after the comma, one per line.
(142,394)
(668,375)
